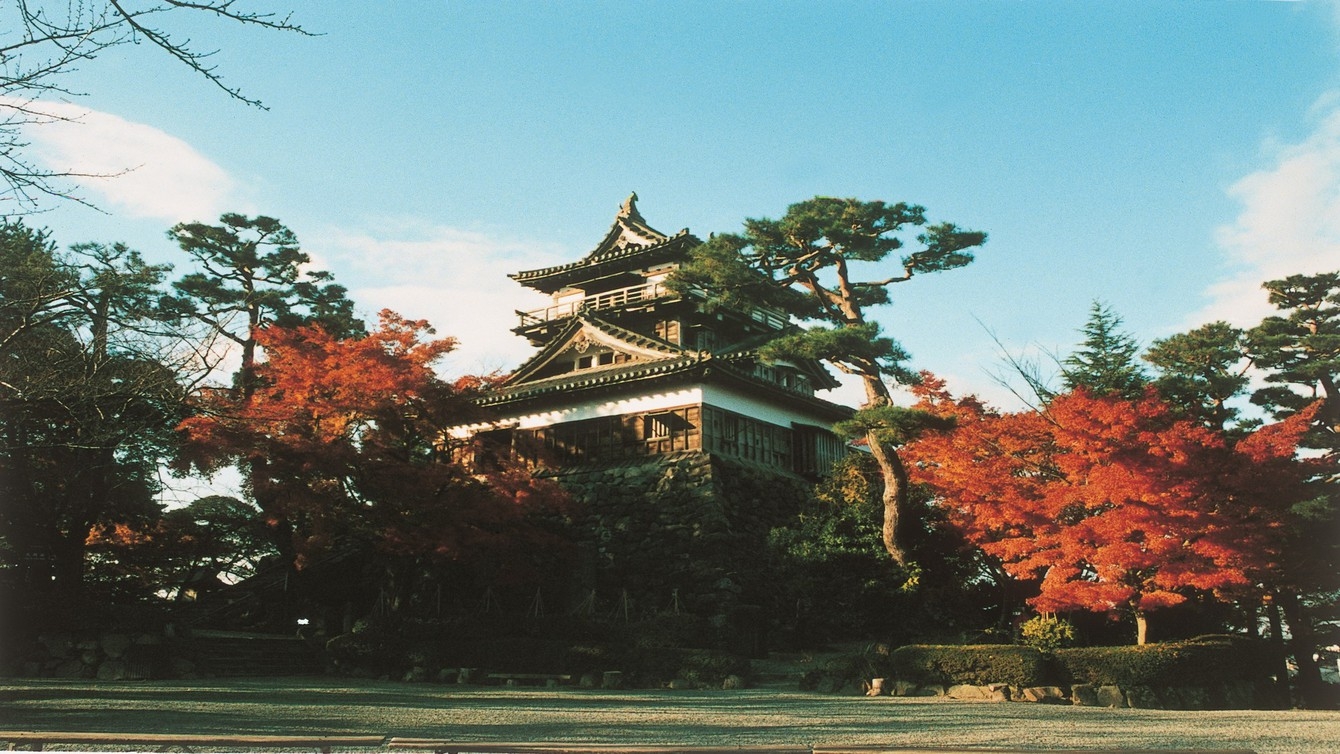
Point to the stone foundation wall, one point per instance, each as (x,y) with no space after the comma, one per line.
(1229,695)
(107,657)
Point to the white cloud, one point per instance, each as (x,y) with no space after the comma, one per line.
(1289,223)
(456,279)
(132,168)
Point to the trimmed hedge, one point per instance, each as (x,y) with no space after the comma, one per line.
(1204,662)
(977,664)
(1200,662)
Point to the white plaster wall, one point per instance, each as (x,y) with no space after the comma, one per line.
(710,395)
(748,405)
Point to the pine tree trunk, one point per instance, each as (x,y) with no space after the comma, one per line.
(895,496)
(1279,654)
(892,469)
(1302,644)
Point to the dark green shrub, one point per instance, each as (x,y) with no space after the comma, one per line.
(976,664)
(654,666)
(1202,662)
(682,630)
(371,652)
(517,654)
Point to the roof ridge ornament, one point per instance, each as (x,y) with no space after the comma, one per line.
(628,210)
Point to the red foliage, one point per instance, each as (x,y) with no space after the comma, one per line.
(343,437)
(1111,503)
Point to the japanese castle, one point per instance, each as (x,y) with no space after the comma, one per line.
(628,369)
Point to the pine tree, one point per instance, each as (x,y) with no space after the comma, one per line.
(1200,371)
(1105,363)
(807,264)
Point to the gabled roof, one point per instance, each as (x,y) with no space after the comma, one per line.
(630,239)
(690,367)
(585,328)
(655,359)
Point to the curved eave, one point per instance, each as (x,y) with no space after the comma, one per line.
(567,385)
(697,367)
(834,411)
(635,341)
(601,264)
(822,378)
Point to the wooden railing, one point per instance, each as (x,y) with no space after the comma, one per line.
(633,294)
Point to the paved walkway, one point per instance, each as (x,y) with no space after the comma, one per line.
(754,717)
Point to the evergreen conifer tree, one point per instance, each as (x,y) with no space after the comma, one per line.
(1105,363)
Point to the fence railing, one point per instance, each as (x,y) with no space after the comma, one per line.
(633,294)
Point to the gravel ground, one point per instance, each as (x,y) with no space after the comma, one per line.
(766,716)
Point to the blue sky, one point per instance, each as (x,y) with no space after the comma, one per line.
(1163,157)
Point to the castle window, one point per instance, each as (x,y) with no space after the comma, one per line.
(606,358)
(816,450)
(668,330)
(750,439)
(655,428)
(664,424)
(584,362)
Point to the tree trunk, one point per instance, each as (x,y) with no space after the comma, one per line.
(1302,644)
(895,496)
(1279,655)
(1141,628)
(892,469)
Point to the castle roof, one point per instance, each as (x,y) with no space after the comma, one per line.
(587,327)
(629,244)
(651,359)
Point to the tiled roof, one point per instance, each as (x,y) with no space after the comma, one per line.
(579,322)
(629,238)
(592,378)
(686,365)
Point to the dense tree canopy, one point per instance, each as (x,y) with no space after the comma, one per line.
(1106,362)
(251,274)
(1202,371)
(91,384)
(344,440)
(1300,350)
(1115,504)
(811,265)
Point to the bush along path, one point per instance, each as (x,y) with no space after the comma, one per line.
(1205,674)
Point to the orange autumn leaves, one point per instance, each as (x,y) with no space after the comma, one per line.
(342,438)
(316,388)
(1112,504)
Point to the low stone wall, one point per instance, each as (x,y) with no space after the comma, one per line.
(112,656)
(1228,695)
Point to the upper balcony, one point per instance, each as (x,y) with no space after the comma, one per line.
(621,297)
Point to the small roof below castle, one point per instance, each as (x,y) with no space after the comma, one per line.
(629,242)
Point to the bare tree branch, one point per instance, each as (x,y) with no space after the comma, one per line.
(42,42)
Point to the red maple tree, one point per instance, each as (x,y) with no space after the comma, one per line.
(1112,504)
(343,437)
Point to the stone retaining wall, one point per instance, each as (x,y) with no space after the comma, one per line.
(1229,695)
(113,656)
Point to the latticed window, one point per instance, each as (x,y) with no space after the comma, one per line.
(656,427)
(750,439)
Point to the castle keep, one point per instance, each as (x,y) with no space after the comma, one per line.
(684,446)
(626,368)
